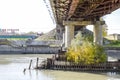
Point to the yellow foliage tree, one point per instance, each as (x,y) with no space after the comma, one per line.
(83,51)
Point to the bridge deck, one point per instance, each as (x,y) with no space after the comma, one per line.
(79,10)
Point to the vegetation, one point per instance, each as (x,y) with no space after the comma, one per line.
(84,51)
(104,30)
(113,43)
(88,37)
(4,42)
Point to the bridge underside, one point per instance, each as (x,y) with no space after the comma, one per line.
(70,13)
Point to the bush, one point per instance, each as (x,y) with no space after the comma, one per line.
(84,51)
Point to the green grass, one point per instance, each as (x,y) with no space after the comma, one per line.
(115,43)
(4,42)
(110,45)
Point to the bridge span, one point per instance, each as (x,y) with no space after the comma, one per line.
(71,13)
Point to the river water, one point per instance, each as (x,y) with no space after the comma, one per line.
(12,66)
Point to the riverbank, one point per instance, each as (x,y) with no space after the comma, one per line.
(30,46)
(29,50)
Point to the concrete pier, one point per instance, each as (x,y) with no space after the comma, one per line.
(97,30)
(69,34)
(98,39)
(69,30)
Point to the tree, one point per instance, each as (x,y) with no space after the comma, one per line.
(104,30)
(84,51)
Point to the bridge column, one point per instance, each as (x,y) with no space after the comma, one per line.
(98,38)
(69,35)
(69,30)
(59,32)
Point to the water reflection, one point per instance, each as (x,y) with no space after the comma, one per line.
(12,66)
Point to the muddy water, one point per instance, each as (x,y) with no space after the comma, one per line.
(12,66)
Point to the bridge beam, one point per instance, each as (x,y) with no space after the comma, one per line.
(83,23)
(98,38)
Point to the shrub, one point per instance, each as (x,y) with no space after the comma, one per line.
(84,51)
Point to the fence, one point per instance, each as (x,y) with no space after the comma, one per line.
(71,66)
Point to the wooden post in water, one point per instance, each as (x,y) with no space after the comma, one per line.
(37,63)
(24,70)
(30,64)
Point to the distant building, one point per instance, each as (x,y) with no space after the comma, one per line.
(113,37)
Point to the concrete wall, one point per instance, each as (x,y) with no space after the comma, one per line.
(55,42)
(40,49)
(9,49)
(113,55)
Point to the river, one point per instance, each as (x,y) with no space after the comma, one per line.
(12,66)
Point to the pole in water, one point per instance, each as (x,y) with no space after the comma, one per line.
(24,70)
(30,64)
(37,63)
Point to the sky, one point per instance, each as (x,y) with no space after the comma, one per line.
(25,15)
(112,20)
(32,15)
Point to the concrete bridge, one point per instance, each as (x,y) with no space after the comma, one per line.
(70,14)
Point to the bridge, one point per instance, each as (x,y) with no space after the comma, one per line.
(71,13)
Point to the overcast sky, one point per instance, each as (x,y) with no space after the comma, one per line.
(32,15)
(26,15)
(113,22)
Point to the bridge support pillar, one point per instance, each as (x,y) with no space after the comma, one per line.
(69,30)
(59,32)
(98,38)
(69,35)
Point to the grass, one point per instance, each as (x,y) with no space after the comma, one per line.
(115,43)
(112,45)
